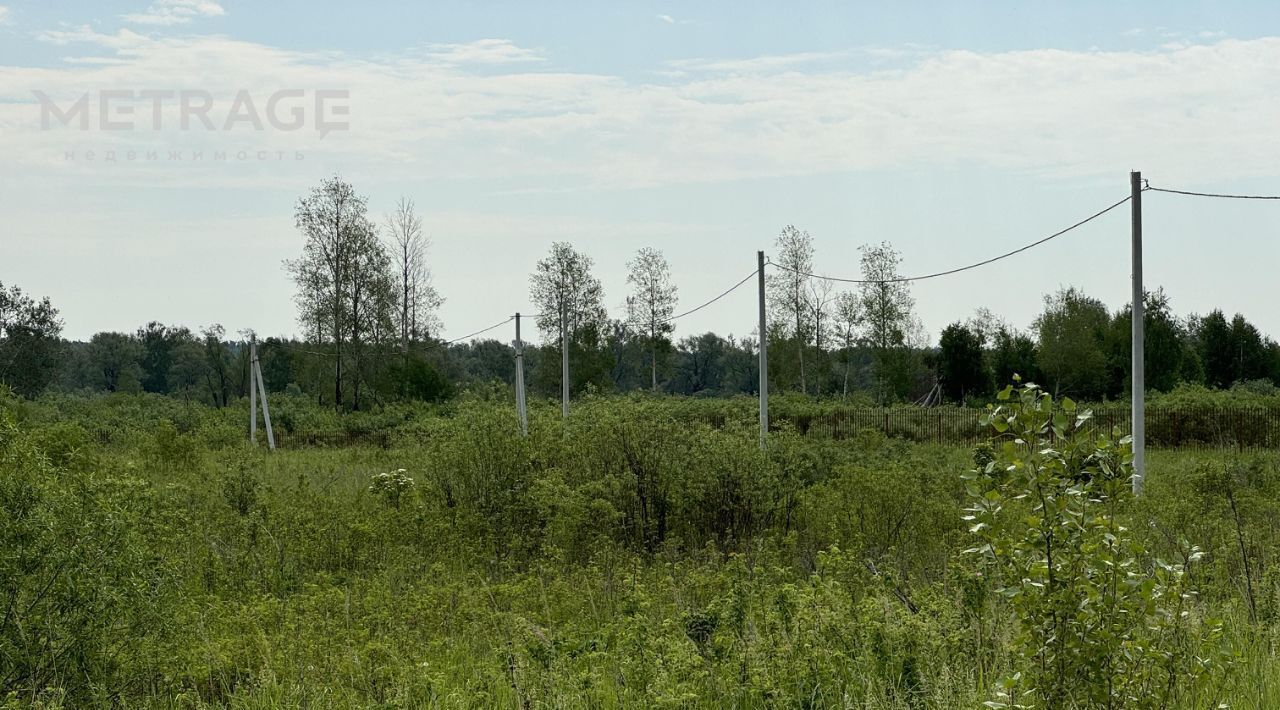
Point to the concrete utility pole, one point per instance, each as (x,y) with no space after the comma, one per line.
(253,392)
(764,355)
(520,396)
(256,386)
(266,411)
(564,360)
(1139,374)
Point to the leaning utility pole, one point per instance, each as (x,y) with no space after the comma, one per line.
(764,355)
(1139,384)
(256,386)
(253,392)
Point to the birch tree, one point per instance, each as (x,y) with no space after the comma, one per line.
(886,305)
(342,275)
(372,302)
(417,300)
(847,331)
(822,305)
(789,297)
(567,295)
(651,303)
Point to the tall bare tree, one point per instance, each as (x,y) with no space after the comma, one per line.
(418,300)
(651,303)
(822,304)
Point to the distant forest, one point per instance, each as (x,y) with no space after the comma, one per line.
(369,311)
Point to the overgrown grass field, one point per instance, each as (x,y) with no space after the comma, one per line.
(635,557)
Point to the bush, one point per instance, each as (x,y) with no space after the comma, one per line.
(86,600)
(68,445)
(1100,626)
(170,450)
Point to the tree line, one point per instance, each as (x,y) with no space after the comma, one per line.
(1077,347)
(368,314)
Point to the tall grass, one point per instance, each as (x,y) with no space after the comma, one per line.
(635,558)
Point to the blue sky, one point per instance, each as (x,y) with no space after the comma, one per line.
(700,128)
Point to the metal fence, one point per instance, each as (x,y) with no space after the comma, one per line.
(1242,428)
(1253,428)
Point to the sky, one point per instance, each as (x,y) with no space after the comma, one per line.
(955,131)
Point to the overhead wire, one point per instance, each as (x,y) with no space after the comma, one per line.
(1222,195)
(482,331)
(724,293)
(901,279)
(948,272)
(426,348)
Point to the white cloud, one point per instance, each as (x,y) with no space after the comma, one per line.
(490,110)
(123,41)
(490,117)
(4,15)
(770,62)
(175,12)
(485,51)
(667,19)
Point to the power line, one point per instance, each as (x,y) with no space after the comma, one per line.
(427,348)
(957,270)
(689,312)
(728,291)
(287,346)
(1213,194)
(902,279)
(482,331)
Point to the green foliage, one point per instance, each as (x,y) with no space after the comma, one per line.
(29,347)
(415,378)
(392,486)
(115,362)
(170,449)
(646,553)
(1100,625)
(1072,353)
(87,597)
(67,445)
(1169,356)
(962,369)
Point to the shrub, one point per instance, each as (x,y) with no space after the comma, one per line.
(171,450)
(86,599)
(391,487)
(1100,626)
(67,444)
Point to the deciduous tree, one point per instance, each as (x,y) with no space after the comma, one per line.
(343,276)
(962,368)
(1071,353)
(418,300)
(115,360)
(888,320)
(651,303)
(29,341)
(788,292)
(569,296)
